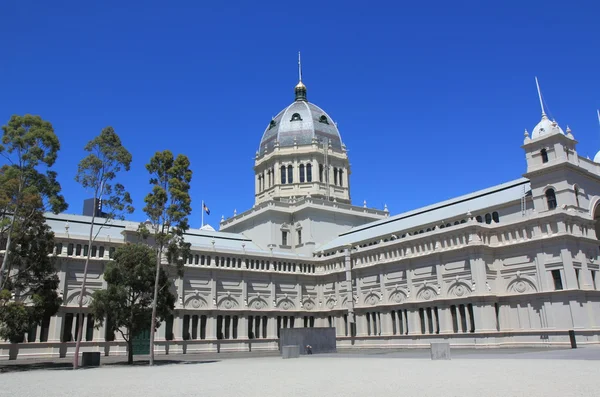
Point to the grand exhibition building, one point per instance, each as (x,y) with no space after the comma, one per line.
(512,265)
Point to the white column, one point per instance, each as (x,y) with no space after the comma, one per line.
(211,326)
(414,322)
(445,319)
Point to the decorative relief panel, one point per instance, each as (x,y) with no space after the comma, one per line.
(459,289)
(286,304)
(195,302)
(426,293)
(73,299)
(372,299)
(228,303)
(397,296)
(308,304)
(258,303)
(521,285)
(330,303)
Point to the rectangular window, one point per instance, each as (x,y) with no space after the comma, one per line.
(45,329)
(70,249)
(577,277)
(169,327)
(422,318)
(194,327)
(284,238)
(299,237)
(290,174)
(111,252)
(89,329)
(59,247)
(86,249)
(185,333)
(67,327)
(78,250)
(101,252)
(557,280)
(594,279)
(94,250)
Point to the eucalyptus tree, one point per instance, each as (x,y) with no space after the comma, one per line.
(129,293)
(28,187)
(97,172)
(168,207)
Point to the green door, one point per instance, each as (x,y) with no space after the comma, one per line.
(141,342)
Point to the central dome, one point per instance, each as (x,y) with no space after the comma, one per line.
(299,124)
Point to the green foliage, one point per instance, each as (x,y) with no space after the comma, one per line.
(107,157)
(127,300)
(30,148)
(31,285)
(168,206)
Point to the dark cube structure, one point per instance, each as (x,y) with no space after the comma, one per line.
(322,340)
(90,359)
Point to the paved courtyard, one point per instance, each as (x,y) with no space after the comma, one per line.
(469,373)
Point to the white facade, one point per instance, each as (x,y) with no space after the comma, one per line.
(516,264)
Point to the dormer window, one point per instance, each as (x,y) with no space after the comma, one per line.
(296,117)
(544,154)
(323,119)
(272,124)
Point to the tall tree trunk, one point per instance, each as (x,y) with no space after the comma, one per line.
(8,237)
(85,272)
(130,351)
(154,303)
(6,251)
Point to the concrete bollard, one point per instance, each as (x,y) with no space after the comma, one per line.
(290,352)
(440,351)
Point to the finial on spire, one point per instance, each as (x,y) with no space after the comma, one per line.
(540,96)
(300,88)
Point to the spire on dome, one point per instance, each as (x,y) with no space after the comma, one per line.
(540,96)
(300,88)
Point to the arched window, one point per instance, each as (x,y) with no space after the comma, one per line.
(290,175)
(479,219)
(544,154)
(576,190)
(260,183)
(301,173)
(309,172)
(335,175)
(495,217)
(340,177)
(296,117)
(283,174)
(551,199)
(463,221)
(323,119)
(488,218)
(320,172)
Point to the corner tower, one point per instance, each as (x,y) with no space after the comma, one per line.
(301,154)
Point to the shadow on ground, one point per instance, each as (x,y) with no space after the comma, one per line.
(49,365)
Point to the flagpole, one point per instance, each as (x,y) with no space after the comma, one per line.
(202,210)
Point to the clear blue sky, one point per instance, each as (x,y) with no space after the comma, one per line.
(431,98)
